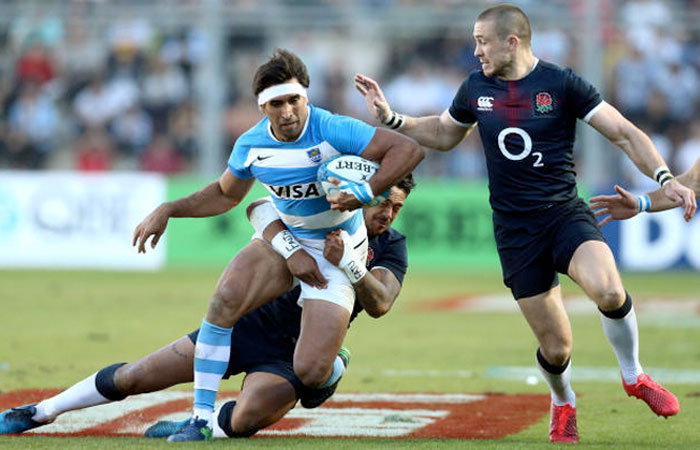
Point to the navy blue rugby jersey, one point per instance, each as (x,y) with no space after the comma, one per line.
(527,128)
(282,316)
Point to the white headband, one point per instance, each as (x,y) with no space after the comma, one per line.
(278,90)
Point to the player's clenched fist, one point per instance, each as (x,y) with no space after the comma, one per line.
(153,225)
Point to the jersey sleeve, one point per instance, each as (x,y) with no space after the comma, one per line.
(345,134)
(460,110)
(393,257)
(236,162)
(581,96)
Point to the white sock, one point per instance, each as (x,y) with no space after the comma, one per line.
(81,395)
(338,371)
(624,338)
(218,432)
(560,385)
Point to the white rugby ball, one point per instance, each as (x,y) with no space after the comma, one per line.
(349,168)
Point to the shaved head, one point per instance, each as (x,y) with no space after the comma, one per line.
(508,19)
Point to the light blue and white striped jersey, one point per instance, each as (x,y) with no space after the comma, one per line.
(288,169)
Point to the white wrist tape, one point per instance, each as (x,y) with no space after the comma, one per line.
(663,175)
(263,215)
(285,244)
(394,120)
(350,263)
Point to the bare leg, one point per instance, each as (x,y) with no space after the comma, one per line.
(548,320)
(323,328)
(593,268)
(254,277)
(264,399)
(161,369)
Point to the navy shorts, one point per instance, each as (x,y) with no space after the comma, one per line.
(255,351)
(534,247)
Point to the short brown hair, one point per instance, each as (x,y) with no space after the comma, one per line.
(281,67)
(508,19)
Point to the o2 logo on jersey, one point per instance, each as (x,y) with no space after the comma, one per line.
(527,146)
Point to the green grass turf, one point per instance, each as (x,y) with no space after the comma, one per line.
(58,327)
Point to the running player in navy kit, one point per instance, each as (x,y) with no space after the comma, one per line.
(262,346)
(527,110)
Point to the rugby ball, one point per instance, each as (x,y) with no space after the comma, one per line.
(350,169)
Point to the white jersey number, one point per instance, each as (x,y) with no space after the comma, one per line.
(526,151)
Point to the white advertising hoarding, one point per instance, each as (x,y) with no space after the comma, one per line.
(77,220)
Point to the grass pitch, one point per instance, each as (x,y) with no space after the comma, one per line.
(58,327)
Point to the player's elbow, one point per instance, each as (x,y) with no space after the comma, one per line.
(377,310)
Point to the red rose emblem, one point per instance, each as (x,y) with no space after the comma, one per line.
(544,99)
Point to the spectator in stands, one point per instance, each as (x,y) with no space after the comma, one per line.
(161,156)
(164,87)
(33,127)
(689,151)
(94,151)
(132,130)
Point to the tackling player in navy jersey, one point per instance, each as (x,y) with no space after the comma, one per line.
(262,347)
(527,110)
(625,205)
(283,151)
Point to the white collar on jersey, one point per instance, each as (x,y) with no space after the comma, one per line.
(303,131)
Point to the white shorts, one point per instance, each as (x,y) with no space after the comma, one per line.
(340,290)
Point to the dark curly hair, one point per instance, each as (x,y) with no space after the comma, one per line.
(282,66)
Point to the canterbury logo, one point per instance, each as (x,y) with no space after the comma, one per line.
(296,191)
(484,103)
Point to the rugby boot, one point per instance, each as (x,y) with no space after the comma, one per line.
(562,424)
(19,420)
(661,401)
(165,428)
(313,398)
(195,429)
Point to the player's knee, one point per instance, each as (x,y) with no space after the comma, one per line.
(126,379)
(246,421)
(312,373)
(609,298)
(227,302)
(557,353)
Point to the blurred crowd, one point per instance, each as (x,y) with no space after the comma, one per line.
(125,95)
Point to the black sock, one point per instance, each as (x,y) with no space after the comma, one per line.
(104,382)
(620,312)
(551,368)
(224,419)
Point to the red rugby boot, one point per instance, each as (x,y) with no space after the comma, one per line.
(562,424)
(661,401)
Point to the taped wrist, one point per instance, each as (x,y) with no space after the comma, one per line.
(263,215)
(350,263)
(394,120)
(285,244)
(361,191)
(663,175)
(644,203)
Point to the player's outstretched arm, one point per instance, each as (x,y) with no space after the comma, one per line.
(640,149)
(266,221)
(377,289)
(625,205)
(437,132)
(214,199)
